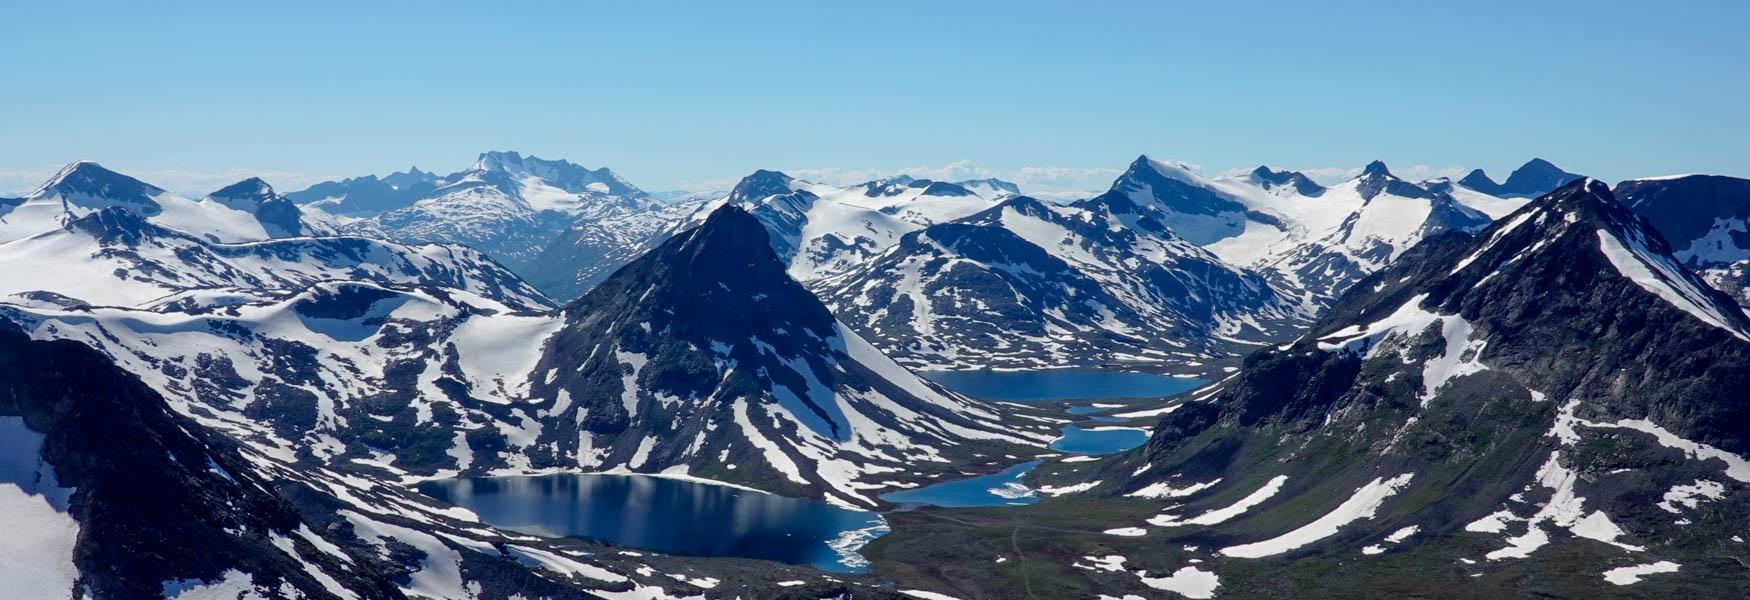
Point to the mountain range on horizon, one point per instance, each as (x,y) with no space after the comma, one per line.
(1506,387)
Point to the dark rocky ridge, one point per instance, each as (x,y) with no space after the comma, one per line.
(370,195)
(723,335)
(1570,349)
(1534,178)
(1271,179)
(1707,220)
(1685,209)
(994,298)
(125,236)
(157,498)
(277,214)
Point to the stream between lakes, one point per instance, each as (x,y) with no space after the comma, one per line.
(693,518)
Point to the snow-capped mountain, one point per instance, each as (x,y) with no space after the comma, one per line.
(1154,269)
(1555,395)
(1475,190)
(704,356)
(368,195)
(430,378)
(85,187)
(1030,284)
(564,227)
(106,493)
(820,230)
(279,216)
(1534,178)
(116,257)
(1707,220)
(1388,217)
(1311,242)
(1285,182)
(507,205)
(405,371)
(594,247)
(990,187)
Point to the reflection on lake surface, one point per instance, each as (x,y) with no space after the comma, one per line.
(996,489)
(1099,440)
(699,519)
(1060,384)
(669,516)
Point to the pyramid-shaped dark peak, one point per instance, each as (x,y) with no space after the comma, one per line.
(88,178)
(1376,179)
(1538,168)
(724,266)
(80,170)
(760,184)
(1271,179)
(252,188)
(731,229)
(1143,169)
(1151,172)
(1480,181)
(1535,178)
(1538,164)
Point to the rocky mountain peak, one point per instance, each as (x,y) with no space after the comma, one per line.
(1272,179)
(1479,181)
(114,225)
(89,184)
(760,184)
(508,169)
(994,185)
(1535,178)
(1559,358)
(1376,179)
(252,188)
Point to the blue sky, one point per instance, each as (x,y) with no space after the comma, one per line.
(677,95)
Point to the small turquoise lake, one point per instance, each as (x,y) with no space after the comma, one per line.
(996,489)
(1061,384)
(1099,440)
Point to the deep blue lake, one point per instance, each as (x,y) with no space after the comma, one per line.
(1060,384)
(669,516)
(996,489)
(1100,440)
(699,519)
